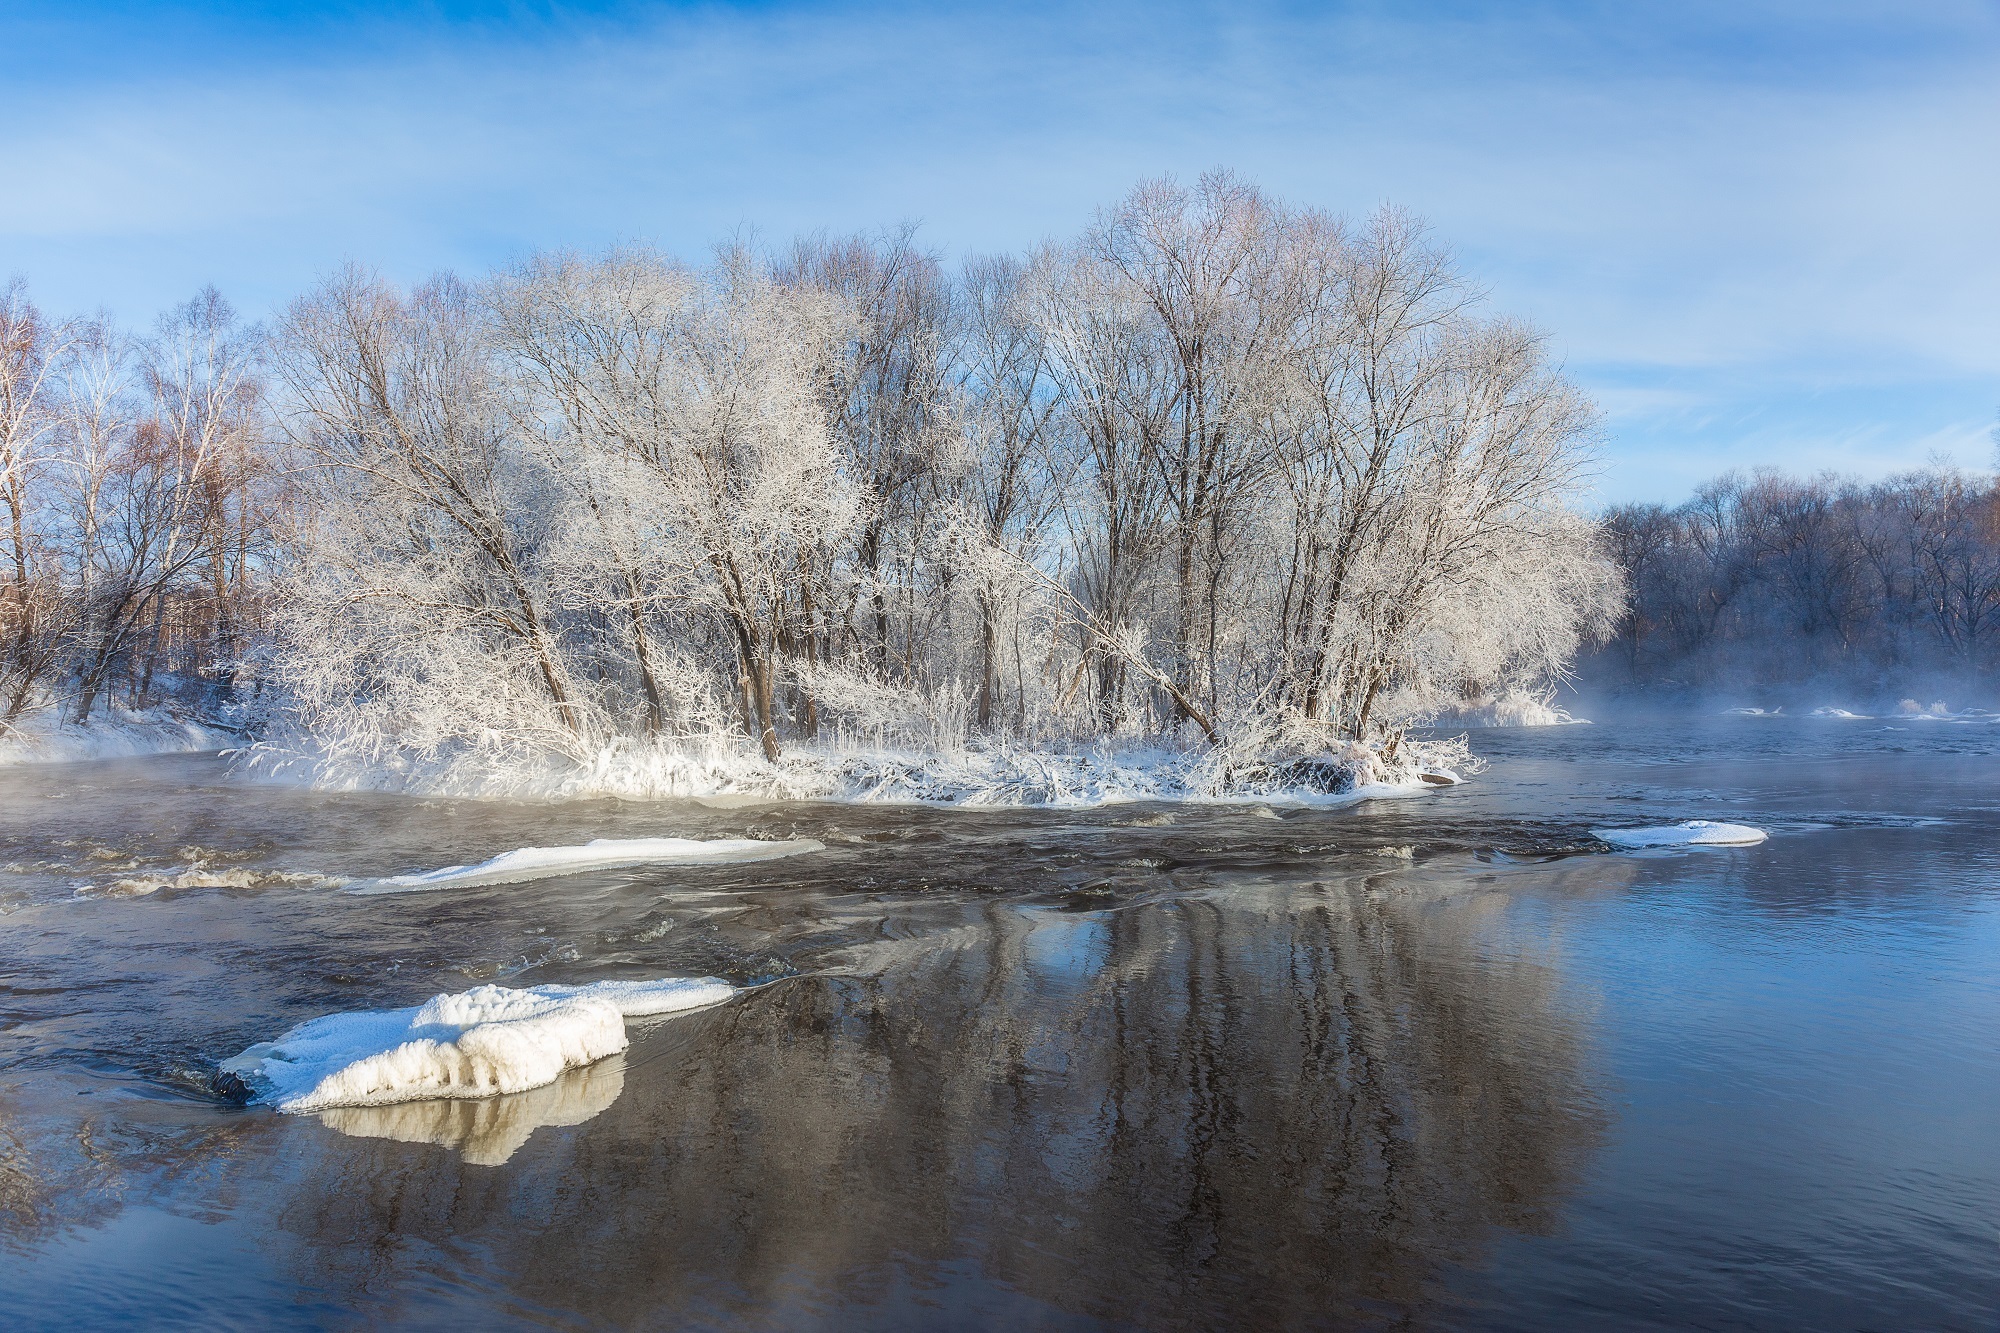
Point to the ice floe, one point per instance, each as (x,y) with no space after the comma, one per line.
(1840,713)
(476,1043)
(1693,833)
(603,854)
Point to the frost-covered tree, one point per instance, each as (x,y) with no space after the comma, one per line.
(1220,472)
(418,606)
(137,496)
(34,604)
(686,408)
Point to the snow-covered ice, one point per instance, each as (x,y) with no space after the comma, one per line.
(1753,712)
(1839,713)
(476,1043)
(1693,833)
(602,854)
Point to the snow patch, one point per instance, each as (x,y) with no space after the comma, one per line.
(528,863)
(1693,833)
(1840,713)
(476,1043)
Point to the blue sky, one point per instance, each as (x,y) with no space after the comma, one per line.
(1758,232)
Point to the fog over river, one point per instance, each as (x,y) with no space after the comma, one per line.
(1439,1062)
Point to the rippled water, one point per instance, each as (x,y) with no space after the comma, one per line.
(1439,1063)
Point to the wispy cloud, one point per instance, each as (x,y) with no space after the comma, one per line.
(1721,213)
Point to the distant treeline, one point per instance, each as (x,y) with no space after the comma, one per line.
(1768,578)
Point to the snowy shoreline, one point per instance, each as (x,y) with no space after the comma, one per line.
(722,773)
(967,778)
(119,733)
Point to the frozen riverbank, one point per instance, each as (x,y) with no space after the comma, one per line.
(115,733)
(977,777)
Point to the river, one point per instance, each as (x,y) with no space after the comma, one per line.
(1442,1062)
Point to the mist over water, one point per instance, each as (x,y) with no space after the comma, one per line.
(1440,1062)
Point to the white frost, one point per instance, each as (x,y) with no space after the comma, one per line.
(602,854)
(1693,833)
(477,1043)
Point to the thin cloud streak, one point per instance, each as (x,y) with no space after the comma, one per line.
(1730,211)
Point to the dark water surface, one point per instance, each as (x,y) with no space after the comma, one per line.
(1431,1063)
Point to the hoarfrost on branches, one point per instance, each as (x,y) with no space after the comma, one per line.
(1235,489)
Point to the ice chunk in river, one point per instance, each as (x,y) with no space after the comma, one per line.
(603,854)
(1694,833)
(477,1043)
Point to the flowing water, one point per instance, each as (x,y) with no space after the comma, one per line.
(1443,1062)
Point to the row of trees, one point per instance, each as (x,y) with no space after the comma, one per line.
(1217,465)
(139,488)
(1769,577)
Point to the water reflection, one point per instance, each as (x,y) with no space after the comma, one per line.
(488,1131)
(1264,1105)
(1052,1069)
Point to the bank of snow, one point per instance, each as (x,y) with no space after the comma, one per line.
(971,775)
(528,863)
(1693,833)
(477,1043)
(116,733)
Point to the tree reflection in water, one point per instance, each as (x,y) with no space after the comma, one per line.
(1265,1104)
